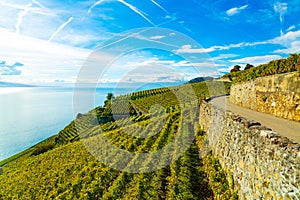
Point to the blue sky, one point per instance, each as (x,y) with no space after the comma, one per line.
(46,42)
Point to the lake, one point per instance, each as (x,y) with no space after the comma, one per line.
(30,115)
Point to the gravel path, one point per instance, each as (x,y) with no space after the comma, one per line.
(288,128)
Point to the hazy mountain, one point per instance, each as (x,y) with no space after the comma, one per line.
(8,84)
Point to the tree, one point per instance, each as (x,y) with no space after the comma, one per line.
(236,68)
(248,66)
(110,96)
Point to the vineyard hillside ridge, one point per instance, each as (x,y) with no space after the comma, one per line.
(61,167)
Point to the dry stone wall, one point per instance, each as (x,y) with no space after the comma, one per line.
(263,164)
(278,95)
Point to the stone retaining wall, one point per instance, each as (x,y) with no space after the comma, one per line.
(263,164)
(278,95)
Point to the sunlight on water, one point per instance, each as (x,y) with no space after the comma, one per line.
(30,115)
(9,90)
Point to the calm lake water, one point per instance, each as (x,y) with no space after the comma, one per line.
(30,115)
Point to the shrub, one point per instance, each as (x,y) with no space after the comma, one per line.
(42,149)
(264,98)
(283,65)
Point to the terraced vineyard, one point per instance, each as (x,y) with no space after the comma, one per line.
(70,171)
(137,104)
(169,98)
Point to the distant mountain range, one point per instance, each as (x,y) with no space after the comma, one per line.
(201,79)
(142,86)
(8,84)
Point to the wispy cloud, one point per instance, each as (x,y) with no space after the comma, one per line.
(40,9)
(38,4)
(290,41)
(188,48)
(9,70)
(291,28)
(294,47)
(82,39)
(287,38)
(158,5)
(21,15)
(157,37)
(281,8)
(38,55)
(11,5)
(94,5)
(158,70)
(235,10)
(136,10)
(60,28)
(256,60)
(225,56)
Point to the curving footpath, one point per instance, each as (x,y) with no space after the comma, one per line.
(287,128)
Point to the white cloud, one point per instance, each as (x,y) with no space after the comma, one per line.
(281,8)
(10,69)
(170,63)
(94,5)
(291,28)
(182,63)
(224,69)
(224,56)
(287,38)
(146,38)
(41,9)
(61,27)
(11,5)
(136,10)
(34,7)
(148,68)
(145,62)
(158,5)
(38,55)
(45,23)
(157,37)
(235,10)
(256,60)
(290,41)
(21,15)
(142,69)
(294,47)
(81,39)
(188,49)
(153,76)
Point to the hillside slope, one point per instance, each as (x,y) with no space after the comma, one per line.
(280,66)
(62,167)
